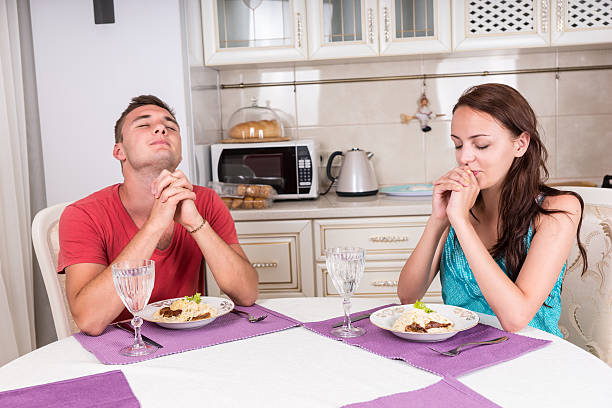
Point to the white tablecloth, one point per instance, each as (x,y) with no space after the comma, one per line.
(299,368)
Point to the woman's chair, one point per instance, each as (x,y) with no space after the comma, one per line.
(586,301)
(45,238)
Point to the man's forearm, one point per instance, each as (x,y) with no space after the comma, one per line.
(96,303)
(234,274)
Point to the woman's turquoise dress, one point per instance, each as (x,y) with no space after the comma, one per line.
(459,286)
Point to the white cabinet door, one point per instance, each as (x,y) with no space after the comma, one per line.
(414,26)
(581,22)
(281,252)
(342,29)
(253,31)
(486,24)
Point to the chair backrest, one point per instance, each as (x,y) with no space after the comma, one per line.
(45,238)
(586,301)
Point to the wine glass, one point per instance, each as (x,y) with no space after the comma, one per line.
(345,266)
(134,283)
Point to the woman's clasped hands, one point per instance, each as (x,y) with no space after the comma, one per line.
(455,194)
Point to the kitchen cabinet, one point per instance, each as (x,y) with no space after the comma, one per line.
(253,31)
(581,22)
(483,24)
(281,252)
(361,28)
(388,242)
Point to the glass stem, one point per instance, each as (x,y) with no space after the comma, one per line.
(347,312)
(136,323)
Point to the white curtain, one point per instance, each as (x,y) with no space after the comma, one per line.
(16,287)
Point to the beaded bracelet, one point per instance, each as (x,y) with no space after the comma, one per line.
(198,228)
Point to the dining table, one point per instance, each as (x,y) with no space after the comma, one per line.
(298,367)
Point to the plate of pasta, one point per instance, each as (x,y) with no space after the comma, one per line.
(189,312)
(424,323)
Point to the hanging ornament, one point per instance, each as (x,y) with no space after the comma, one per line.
(423,113)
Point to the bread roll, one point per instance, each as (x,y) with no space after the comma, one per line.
(247,203)
(259,203)
(227,201)
(265,191)
(252,190)
(241,189)
(256,129)
(236,203)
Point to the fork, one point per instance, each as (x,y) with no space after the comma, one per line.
(252,319)
(457,350)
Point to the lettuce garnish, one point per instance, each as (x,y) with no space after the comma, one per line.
(421,305)
(196,298)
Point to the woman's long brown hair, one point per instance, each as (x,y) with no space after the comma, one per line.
(523,185)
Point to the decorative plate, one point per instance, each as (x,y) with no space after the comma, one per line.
(408,190)
(463,319)
(223,306)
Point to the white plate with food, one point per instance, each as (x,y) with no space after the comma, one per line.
(425,323)
(187,312)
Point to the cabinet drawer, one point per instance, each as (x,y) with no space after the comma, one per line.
(384,238)
(281,253)
(379,280)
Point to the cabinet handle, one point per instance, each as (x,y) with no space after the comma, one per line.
(387,20)
(300,28)
(544,15)
(264,265)
(389,238)
(387,283)
(371,25)
(560,14)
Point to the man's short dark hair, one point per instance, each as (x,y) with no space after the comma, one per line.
(137,102)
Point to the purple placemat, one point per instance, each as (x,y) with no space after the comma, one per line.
(109,390)
(386,344)
(448,392)
(224,329)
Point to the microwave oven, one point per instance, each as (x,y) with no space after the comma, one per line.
(289,167)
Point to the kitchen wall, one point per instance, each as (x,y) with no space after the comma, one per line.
(574,110)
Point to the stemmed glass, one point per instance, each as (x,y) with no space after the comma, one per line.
(345,266)
(134,283)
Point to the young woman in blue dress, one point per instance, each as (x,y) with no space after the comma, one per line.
(498,235)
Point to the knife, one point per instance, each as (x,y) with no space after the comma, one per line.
(354,319)
(126,327)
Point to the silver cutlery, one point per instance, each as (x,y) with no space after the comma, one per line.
(457,350)
(252,319)
(353,319)
(126,327)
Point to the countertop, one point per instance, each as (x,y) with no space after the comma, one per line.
(332,206)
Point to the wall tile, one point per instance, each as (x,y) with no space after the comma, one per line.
(355,103)
(489,63)
(246,75)
(439,151)
(357,70)
(585,92)
(205,105)
(583,146)
(590,57)
(398,149)
(548,134)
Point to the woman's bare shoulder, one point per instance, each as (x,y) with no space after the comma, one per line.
(567,204)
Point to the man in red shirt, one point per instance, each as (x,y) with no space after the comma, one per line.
(156,213)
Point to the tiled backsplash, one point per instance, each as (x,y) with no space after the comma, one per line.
(574,111)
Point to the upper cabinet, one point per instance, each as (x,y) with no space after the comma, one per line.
(361,28)
(414,26)
(251,31)
(581,22)
(487,24)
(261,31)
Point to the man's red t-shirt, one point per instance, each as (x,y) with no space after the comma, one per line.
(98,227)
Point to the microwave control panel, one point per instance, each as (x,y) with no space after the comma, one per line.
(304,170)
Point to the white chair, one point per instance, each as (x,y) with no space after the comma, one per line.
(586,301)
(45,238)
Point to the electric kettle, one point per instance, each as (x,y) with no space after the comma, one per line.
(356,176)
